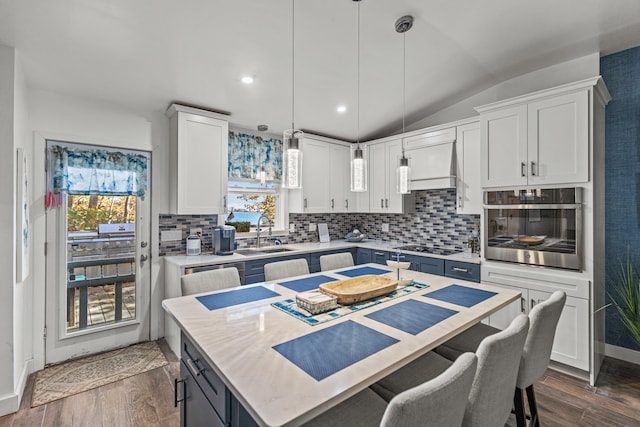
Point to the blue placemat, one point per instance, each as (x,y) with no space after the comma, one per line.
(460,295)
(361,271)
(235,297)
(330,350)
(290,307)
(306,284)
(412,316)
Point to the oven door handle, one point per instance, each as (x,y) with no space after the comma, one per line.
(534,206)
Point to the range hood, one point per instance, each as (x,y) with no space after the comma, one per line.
(433,166)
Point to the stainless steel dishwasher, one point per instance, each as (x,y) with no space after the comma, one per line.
(238,265)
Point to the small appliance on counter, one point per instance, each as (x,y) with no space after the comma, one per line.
(224,237)
(193,245)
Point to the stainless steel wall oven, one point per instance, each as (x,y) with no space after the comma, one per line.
(534,226)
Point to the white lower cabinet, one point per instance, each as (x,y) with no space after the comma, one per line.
(571,344)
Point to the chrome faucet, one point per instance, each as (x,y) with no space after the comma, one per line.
(263,216)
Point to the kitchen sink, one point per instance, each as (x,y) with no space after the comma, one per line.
(264,250)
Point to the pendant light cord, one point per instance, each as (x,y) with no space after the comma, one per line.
(404,83)
(293,61)
(358,119)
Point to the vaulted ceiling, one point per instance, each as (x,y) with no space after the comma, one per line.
(145,54)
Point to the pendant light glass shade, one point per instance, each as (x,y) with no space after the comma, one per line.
(292,159)
(359,168)
(403,172)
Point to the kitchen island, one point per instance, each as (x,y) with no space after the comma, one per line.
(245,346)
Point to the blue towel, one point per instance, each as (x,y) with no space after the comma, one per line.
(460,295)
(306,284)
(332,349)
(235,297)
(412,316)
(361,271)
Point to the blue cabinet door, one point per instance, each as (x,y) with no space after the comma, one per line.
(363,256)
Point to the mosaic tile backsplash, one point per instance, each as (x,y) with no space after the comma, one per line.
(435,223)
(185,223)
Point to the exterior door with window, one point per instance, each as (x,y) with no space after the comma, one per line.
(98,229)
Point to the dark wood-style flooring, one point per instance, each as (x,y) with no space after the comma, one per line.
(147,400)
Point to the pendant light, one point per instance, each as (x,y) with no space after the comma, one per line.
(403,172)
(262,174)
(292,156)
(358,153)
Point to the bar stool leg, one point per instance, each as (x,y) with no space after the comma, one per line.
(531,397)
(518,404)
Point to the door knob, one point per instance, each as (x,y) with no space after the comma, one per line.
(143,258)
(143,244)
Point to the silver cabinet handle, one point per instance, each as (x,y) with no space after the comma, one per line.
(533,303)
(382,203)
(386,203)
(346,203)
(193,367)
(378,253)
(459,201)
(522,303)
(305,203)
(533,170)
(462,270)
(332,203)
(523,169)
(224,203)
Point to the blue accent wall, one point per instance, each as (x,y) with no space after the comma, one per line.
(621,74)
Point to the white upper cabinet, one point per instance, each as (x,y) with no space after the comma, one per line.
(539,139)
(383,197)
(198,161)
(468,188)
(325,178)
(558,135)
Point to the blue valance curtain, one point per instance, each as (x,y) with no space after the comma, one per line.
(86,170)
(248,153)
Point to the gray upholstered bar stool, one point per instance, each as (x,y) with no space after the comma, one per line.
(438,402)
(283,269)
(491,394)
(544,319)
(211,280)
(334,261)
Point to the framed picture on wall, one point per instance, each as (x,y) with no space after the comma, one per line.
(22,218)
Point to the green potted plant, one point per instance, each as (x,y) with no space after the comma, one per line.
(626,297)
(241,226)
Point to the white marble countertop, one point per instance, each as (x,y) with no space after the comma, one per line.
(207,259)
(237,342)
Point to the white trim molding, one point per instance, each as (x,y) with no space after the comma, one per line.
(622,353)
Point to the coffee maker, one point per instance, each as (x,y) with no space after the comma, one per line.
(224,237)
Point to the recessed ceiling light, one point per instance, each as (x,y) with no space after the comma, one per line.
(247,80)
(341,108)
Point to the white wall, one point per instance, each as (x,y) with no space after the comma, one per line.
(556,75)
(71,118)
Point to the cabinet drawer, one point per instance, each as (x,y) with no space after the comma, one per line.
(462,270)
(363,256)
(254,278)
(210,383)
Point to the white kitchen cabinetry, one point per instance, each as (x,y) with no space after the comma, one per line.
(433,165)
(383,197)
(325,178)
(198,161)
(468,188)
(571,343)
(537,139)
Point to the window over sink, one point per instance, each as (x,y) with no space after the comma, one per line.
(248,199)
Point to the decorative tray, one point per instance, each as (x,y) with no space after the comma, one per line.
(351,291)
